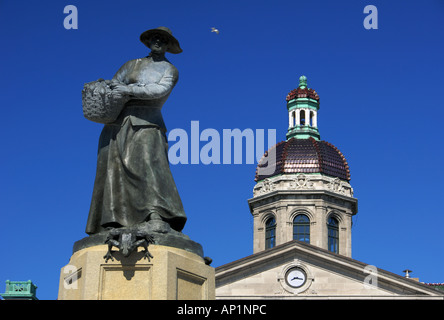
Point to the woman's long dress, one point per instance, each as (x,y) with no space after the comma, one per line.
(133,177)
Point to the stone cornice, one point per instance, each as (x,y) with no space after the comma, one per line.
(277,195)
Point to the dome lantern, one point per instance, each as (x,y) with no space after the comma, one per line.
(303,106)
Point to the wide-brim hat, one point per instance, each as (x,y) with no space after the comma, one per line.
(173,44)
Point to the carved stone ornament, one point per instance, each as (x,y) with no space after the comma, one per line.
(336,185)
(263,187)
(301,181)
(268,185)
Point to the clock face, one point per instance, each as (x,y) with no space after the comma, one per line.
(295,277)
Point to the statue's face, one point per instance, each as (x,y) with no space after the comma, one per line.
(158,44)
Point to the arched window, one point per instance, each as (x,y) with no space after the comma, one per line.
(303,118)
(333,234)
(301,228)
(270,233)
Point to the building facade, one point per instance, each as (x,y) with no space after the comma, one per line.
(302,208)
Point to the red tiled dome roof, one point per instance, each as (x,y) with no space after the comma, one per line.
(305,156)
(302,93)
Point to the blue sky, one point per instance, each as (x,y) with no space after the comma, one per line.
(381,105)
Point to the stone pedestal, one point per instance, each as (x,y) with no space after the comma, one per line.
(172,274)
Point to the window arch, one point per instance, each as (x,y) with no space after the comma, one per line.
(301,228)
(303,117)
(333,234)
(270,233)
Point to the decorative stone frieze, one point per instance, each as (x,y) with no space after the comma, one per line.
(302,182)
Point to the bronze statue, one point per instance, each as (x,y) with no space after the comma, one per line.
(127,242)
(133,182)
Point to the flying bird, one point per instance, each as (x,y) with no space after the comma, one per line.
(214,30)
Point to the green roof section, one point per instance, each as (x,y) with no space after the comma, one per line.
(20,290)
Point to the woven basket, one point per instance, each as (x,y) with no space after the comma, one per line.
(100,103)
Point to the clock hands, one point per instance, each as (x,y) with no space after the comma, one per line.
(295,277)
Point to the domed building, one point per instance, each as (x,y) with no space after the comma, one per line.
(302,208)
(303,189)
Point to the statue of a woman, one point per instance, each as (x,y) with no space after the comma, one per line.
(133,181)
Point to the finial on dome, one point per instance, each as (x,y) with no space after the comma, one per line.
(303,82)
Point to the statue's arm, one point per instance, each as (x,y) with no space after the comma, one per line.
(122,72)
(156,90)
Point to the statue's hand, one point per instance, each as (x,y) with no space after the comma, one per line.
(120,88)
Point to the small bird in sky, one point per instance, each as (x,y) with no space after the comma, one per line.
(214,30)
